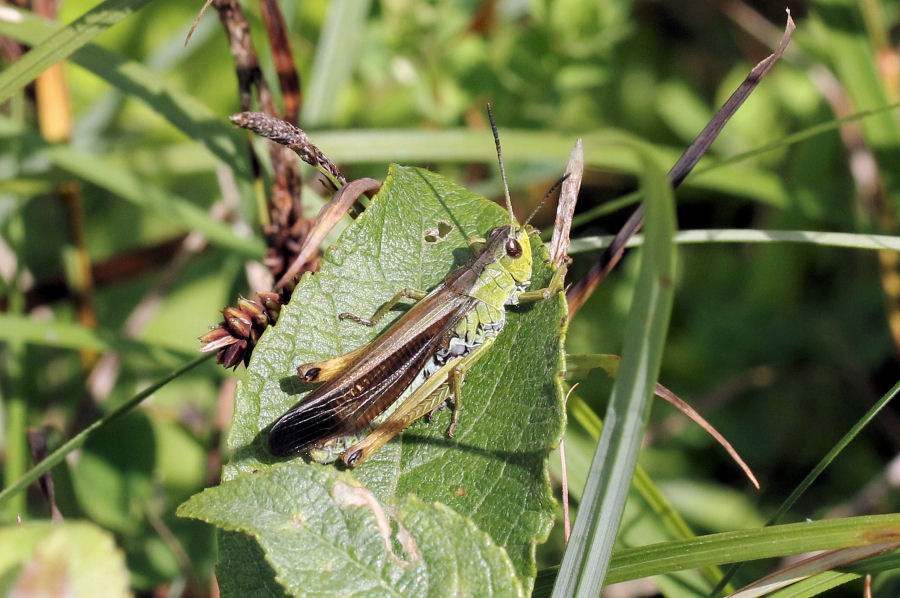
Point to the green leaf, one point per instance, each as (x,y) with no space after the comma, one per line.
(349,542)
(494,470)
(54,559)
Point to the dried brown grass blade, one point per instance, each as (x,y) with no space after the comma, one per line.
(565,208)
(581,290)
(664,393)
(814,565)
(330,214)
(610,365)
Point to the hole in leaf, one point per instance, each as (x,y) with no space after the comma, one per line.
(438,233)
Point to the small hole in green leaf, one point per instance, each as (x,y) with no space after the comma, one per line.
(438,233)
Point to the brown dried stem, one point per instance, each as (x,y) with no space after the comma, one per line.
(291,137)
(288,79)
(565,208)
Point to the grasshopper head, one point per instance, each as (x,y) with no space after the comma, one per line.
(512,249)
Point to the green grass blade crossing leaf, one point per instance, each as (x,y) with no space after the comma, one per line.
(585,563)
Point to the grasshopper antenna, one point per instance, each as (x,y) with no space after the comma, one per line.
(512,217)
(547,196)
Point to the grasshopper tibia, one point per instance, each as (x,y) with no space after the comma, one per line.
(556,285)
(413,294)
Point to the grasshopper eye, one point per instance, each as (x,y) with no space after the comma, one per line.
(513,248)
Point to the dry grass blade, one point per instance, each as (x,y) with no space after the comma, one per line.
(196,22)
(663,392)
(330,214)
(819,563)
(610,365)
(568,195)
(581,290)
(701,144)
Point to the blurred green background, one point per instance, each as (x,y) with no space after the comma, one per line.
(782,347)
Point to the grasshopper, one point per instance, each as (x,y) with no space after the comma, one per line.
(419,363)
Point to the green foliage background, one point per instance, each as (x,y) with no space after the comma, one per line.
(781,346)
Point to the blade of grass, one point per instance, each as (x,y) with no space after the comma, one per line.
(702,172)
(752,544)
(134,80)
(585,562)
(794,138)
(671,520)
(602,150)
(825,581)
(14,405)
(68,335)
(63,42)
(336,55)
(819,468)
(170,207)
(802,589)
(79,439)
(811,566)
(738,235)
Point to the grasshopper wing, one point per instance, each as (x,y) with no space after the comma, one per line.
(349,402)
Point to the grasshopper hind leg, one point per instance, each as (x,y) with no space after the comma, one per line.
(321,371)
(434,392)
(456,382)
(395,424)
(453,396)
(457,377)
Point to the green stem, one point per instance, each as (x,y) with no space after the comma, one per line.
(15,406)
(817,471)
(16,411)
(79,439)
